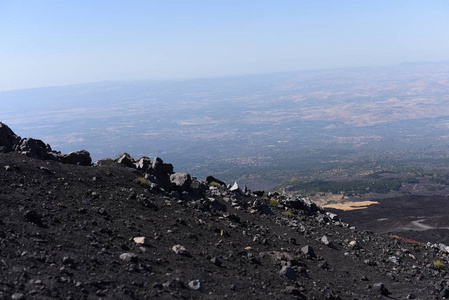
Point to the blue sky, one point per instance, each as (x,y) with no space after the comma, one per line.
(45,43)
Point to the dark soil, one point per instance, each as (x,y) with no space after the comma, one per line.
(67,232)
(399,215)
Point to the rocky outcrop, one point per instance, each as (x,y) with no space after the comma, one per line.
(8,139)
(181,180)
(126,159)
(35,148)
(81,157)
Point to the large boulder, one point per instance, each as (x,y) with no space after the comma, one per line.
(33,148)
(81,157)
(143,163)
(160,167)
(8,139)
(126,159)
(181,180)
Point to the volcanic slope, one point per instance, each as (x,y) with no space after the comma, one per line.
(104,231)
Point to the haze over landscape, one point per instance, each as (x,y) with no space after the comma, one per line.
(51,43)
(221,85)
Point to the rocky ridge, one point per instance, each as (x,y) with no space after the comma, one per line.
(135,229)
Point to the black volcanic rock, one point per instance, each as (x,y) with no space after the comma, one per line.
(8,139)
(81,157)
(35,148)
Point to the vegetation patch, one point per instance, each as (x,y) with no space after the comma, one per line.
(274,202)
(214,183)
(288,213)
(438,264)
(142,181)
(350,188)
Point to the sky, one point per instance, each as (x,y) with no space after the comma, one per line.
(62,42)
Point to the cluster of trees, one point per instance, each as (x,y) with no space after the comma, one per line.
(358,187)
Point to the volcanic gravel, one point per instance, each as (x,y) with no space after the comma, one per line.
(95,232)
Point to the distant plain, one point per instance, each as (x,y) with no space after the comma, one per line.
(263,130)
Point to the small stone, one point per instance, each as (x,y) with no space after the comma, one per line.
(295,292)
(369,262)
(288,272)
(332,216)
(353,244)
(102,211)
(196,285)
(394,259)
(18,296)
(181,250)
(380,287)
(323,265)
(216,261)
(325,240)
(128,256)
(69,262)
(308,250)
(140,240)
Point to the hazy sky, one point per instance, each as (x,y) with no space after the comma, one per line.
(59,42)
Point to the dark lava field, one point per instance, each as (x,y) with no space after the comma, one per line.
(135,229)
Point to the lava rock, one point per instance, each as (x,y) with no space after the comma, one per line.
(288,272)
(33,217)
(8,139)
(308,250)
(80,157)
(181,180)
(380,288)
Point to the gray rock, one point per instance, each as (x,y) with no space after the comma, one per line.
(80,157)
(380,287)
(288,272)
(325,240)
(143,163)
(332,216)
(370,262)
(126,159)
(17,296)
(160,167)
(33,148)
(394,259)
(128,256)
(181,180)
(236,189)
(295,292)
(69,262)
(308,250)
(196,285)
(180,250)
(216,261)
